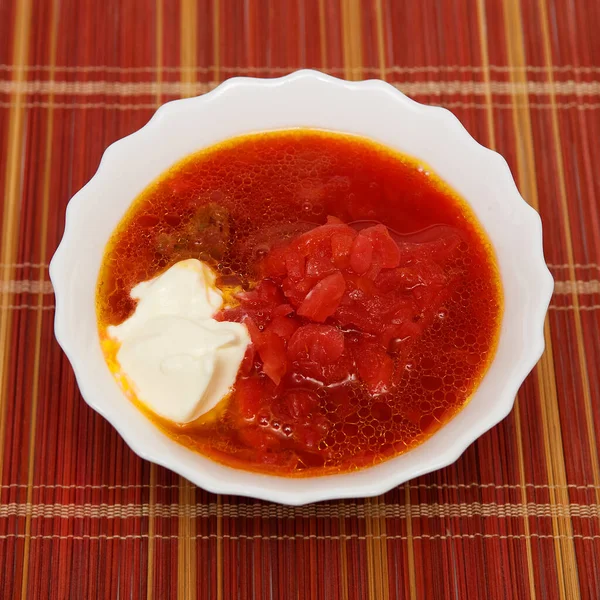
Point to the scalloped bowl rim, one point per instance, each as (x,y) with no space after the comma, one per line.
(313,100)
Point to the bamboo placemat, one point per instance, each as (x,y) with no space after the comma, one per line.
(82,517)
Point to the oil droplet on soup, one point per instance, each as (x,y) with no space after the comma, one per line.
(369,290)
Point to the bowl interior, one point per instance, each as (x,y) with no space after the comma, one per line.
(372,109)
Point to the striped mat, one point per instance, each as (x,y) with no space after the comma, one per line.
(81,517)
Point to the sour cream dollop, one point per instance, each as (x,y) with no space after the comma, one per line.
(179,361)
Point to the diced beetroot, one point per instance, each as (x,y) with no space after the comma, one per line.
(283,326)
(271,350)
(323,344)
(295,264)
(322,301)
(361,256)
(384,247)
(375,366)
(341,245)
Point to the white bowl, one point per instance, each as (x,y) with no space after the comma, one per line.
(306,98)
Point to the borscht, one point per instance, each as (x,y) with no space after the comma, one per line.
(299,302)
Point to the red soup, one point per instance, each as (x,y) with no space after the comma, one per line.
(369,290)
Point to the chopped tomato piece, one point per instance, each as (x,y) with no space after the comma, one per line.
(386,291)
(273,264)
(298,405)
(283,326)
(402,278)
(362,254)
(357,317)
(249,397)
(253,330)
(236,315)
(402,310)
(248,361)
(375,366)
(309,241)
(384,246)
(374,270)
(283,310)
(361,284)
(341,245)
(266,293)
(295,291)
(271,349)
(318,343)
(322,301)
(319,265)
(295,264)
(336,372)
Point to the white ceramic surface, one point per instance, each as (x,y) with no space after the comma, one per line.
(310,99)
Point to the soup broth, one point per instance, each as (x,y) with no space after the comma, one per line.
(370,292)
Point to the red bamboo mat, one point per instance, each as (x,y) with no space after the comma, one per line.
(82,517)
